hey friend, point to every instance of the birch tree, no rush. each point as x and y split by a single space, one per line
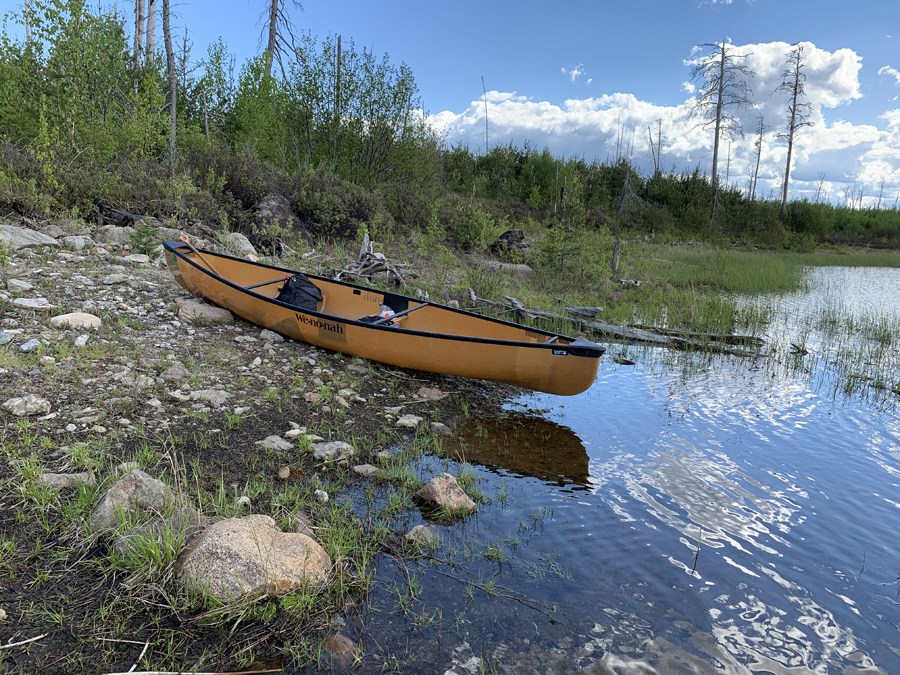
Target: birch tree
724 89
138 34
151 30
793 81
172 74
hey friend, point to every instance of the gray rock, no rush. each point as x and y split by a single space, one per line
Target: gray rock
238 242
27 405
175 374
33 304
430 394
275 443
250 555
421 535
5 338
79 243
30 346
440 429
516 271
333 451
18 238
443 492
341 648
67 480
18 285
366 470
270 336
76 320
81 340
111 279
118 236
196 312
214 397
408 422
277 209
136 491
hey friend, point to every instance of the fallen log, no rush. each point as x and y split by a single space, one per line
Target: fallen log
626 334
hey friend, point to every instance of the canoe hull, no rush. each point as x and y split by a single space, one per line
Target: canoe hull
565 367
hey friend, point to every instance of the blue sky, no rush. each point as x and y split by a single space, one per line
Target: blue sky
575 75
571 74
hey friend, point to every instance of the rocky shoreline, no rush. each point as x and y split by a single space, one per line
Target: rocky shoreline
146 425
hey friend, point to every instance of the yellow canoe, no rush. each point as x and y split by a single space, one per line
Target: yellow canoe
420 335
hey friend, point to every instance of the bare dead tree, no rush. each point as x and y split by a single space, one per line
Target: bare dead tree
880 192
760 130
724 88
793 81
172 74
151 30
138 34
280 31
486 146
656 148
820 183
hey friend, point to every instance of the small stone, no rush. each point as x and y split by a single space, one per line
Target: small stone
312 397
440 429
33 304
48 361
420 535
333 451
408 422
214 397
270 336
111 279
18 285
346 393
81 340
30 346
67 480
5 338
174 374
284 473
71 427
444 492
27 405
2 614
383 456
341 402
256 362
154 403
275 443
243 500
76 320
321 495
430 394
366 470
358 369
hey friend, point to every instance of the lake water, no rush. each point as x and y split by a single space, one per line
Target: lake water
685 515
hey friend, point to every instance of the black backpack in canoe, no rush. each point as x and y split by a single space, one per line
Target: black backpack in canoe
300 292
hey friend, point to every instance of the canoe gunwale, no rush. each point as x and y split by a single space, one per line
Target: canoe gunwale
579 347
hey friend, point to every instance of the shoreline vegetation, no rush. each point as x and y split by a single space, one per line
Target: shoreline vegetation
82 137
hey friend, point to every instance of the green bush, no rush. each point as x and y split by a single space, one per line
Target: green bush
334 208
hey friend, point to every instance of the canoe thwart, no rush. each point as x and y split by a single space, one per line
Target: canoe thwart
385 319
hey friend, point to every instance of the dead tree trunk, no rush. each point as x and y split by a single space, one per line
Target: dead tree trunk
173 81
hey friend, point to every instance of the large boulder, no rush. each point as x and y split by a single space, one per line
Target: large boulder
250 555
276 210
238 242
21 237
136 492
117 236
511 240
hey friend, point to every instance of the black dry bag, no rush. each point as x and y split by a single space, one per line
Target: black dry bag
300 292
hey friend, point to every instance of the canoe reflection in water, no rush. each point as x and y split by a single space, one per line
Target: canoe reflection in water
523 445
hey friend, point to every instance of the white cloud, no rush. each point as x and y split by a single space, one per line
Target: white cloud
599 127
893 72
575 73
689 87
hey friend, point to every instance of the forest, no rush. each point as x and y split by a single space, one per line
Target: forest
93 110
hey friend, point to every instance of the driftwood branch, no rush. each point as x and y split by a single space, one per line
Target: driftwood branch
23 642
720 344
369 263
